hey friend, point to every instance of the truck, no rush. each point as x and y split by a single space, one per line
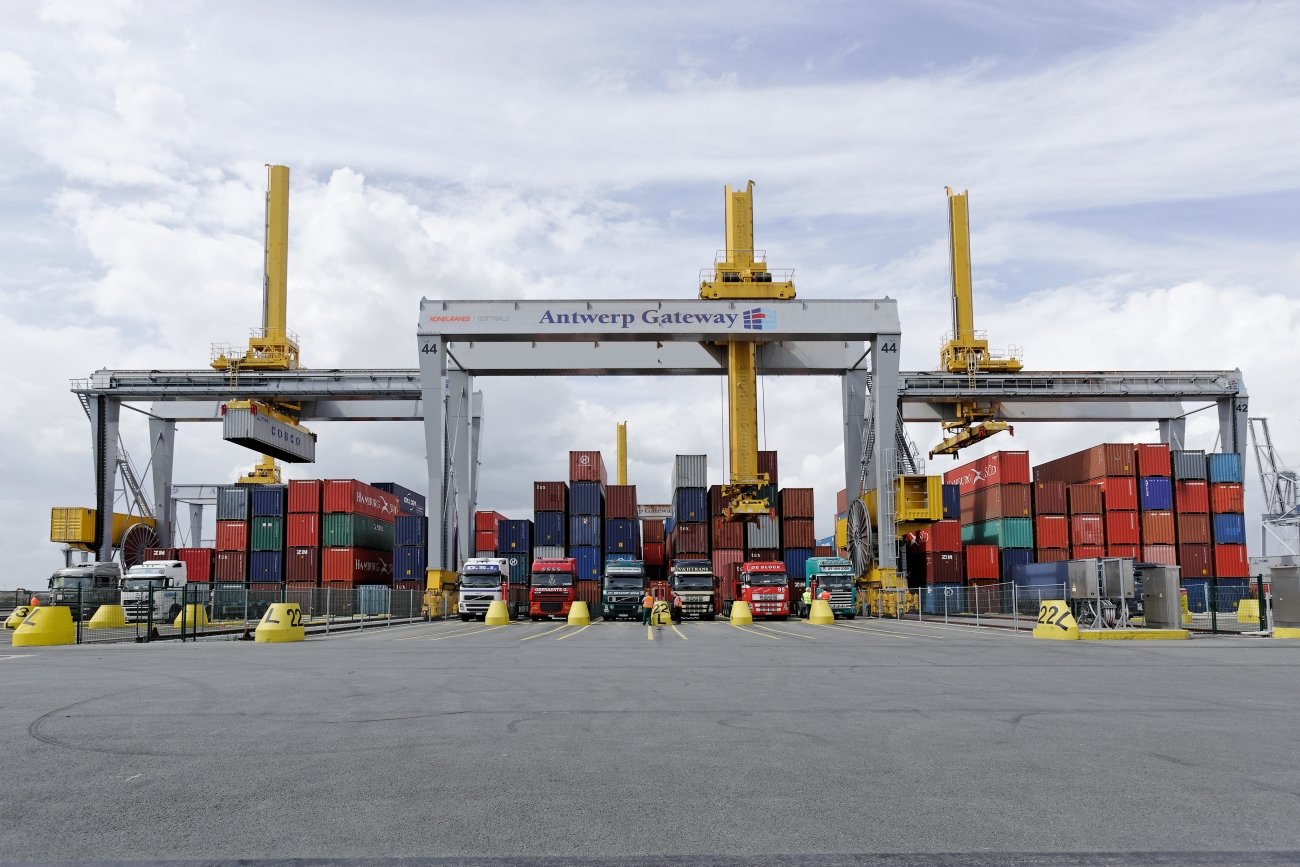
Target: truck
765 586
90 584
694 582
154 591
836 575
551 589
623 587
483 580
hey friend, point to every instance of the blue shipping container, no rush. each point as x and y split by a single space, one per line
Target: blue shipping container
952 502
514 536
409 562
412 503
692 504
621 555
943 598
796 561
1013 557
411 530
590 561
584 530
1223 467
268 501
622 534
519 566
1229 529
586 498
1041 575
1227 591
1155 493
266 567
550 528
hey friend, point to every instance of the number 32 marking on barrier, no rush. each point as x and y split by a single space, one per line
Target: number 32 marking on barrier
1052 615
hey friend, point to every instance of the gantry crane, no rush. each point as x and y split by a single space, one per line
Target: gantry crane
966 350
1281 487
269 426
740 272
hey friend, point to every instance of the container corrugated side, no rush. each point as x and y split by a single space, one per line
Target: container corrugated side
1083 499
763 533
410 563
939 536
1227 497
690 471
408 501
586 498
515 536
266 566
1049 498
996 501
584 530
620 501
269 501
1122 527
951 502
410 530
1087 552
1011 558
548 552
621 535
1117 492
1196 560
160 554
591 561
1129 552
728 534
587 466
351 530
796 502
302 564
767 465
981 561
1158 527
797 533
229 566
198 563
486 522
302 530
519 565
1003 532
356 565
233 503
653 553
232 536
726 566
1155 492
1223 467
266 534
1193 529
937 567
1152 459
550 496
796 562
716 504
691 504
1228 528
1192 496
348 496
1188 464
652 531
1052 531
1086 530
689 537
1162 555
305 495
550 528
998 468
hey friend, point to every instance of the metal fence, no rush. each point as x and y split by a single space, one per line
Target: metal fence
1225 606
1001 604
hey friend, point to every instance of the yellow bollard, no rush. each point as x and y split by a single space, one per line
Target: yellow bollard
108 617
820 613
740 613
1056 623
282 622
498 613
660 615
1248 611
45 626
18 615
193 616
579 614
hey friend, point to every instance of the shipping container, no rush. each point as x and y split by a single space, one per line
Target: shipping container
939 536
985 596
266 567
1152 459
591 561
716 503
796 563
302 565
1189 464
767 466
550 497
1041 577
1010 558
233 503
232 536
160 554
1049 498
796 502
1193 529
408 501
409 530
981 561
726 563
485 540
728 534
1223 467
305 496
266 534
267 433
1086 530
763 533
1228 529
1131 552
514 536
302 530
357 565
552 528
1083 499
1085 552
585 530
269 501
1162 555
997 501
690 471
1196 561
939 567
1117 493
586 498
842 499
652 530
1192 496
653 553
689 537
797 533
1107 459
520 565
589 592
620 501
198 563
1122 527
1227 497
1158 528
761 555
587 467
549 552
348 496
943 599
951 495
621 535
1051 555
998 468
351 530
1155 493
229 566
691 504
486 522
1051 531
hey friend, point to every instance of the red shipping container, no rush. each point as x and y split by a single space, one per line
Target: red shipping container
299 587
728 534
939 536
198 563
1164 555
1087 530
1108 459
1230 561
160 554
486 522
653 553
764 554
1152 459
996 501
1227 497
797 503
652 530
1049 498
348 496
1084 499
551 497
823 550
1120 494
798 532
485 540
982 562
587 467
302 530
620 501
356 565
983 595
230 566
941 567
304 495
689 538
715 501
1051 555
767 464
1052 531
1122 528
1158 528
999 468
1196 561
232 536
1193 529
1080 552
841 501
1191 496
1129 551
726 562
302 565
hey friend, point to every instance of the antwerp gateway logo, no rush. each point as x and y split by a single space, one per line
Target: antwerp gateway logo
759 319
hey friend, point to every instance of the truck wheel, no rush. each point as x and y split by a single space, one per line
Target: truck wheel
851 615
784 617
464 618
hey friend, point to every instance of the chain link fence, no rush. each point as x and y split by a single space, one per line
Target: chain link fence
1227 605
994 604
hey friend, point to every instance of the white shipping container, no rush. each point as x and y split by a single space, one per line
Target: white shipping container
690 471
763 533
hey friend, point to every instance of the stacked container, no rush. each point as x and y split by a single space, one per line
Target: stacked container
410 551
357 533
1100 498
1192 517
233 510
1155 495
995 502
1224 473
728 546
302 533
622 527
763 537
1051 523
587 481
652 536
688 533
550 520
485 533
266 537
797 535
934 555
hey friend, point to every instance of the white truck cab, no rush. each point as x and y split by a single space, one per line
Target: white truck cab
482 580
161 582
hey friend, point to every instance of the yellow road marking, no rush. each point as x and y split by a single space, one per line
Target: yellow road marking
783 632
573 633
470 632
547 632
752 632
649 632
683 637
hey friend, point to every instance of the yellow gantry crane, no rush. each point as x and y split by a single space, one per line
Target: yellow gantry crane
272 347
966 350
740 273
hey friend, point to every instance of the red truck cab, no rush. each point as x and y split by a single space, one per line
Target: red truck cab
765 587
552 587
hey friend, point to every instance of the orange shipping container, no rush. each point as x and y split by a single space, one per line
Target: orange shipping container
1081 552
302 530
1129 551
1191 496
1158 528
1122 528
939 536
1227 497
356 566
1164 555
1107 459
1152 459
1087 530
348 496
996 501
1193 529
1230 561
1117 493
981 561
486 522
1052 531
1051 555
1085 499
304 495
232 535
485 540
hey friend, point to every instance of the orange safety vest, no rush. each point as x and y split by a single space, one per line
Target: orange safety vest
825 595
677 602
648 601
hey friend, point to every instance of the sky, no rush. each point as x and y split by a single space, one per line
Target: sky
1132 172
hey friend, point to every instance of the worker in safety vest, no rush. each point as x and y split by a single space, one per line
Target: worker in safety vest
677 608
36 600
647 606
825 595
805 602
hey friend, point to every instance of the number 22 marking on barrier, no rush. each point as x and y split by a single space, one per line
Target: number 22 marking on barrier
1050 615
295 617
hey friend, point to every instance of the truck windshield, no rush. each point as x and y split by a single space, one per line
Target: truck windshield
767 579
837 582
479 580
623 582
552 579
693 582
142 582
69 582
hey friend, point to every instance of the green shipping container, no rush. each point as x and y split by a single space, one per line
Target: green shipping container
266 534
1003 532
356 531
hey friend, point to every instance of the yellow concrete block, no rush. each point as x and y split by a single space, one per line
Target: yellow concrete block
579 614
498 613
1286 632
660 615
1056 623
282 622
18 615
45 626
740 613
820 614
191 617
1248 611
108 617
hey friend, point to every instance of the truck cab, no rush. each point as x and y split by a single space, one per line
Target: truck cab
693 581
90 584
483 580
154 591
834 574
623 587
551 589
765 586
